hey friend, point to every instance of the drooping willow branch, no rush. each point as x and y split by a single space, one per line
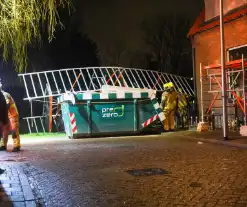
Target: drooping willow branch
20 26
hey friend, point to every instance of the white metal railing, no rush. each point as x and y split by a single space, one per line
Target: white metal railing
36 124
41 85
92 78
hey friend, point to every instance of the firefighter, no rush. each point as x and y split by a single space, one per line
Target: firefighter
13 116
182 108
164 95
169 104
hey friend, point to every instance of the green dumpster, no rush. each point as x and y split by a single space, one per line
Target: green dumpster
95 114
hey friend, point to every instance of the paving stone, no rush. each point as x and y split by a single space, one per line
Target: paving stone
30 204
19 204
13 198
24 180
241 205
27 192
10 181
243 198
12 189
4 177
4 185
17 193
210 204
15 185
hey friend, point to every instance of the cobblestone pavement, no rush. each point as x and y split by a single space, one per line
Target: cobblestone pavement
15 189
216 137
94 172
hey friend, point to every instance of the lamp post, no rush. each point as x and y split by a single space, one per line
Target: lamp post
223 74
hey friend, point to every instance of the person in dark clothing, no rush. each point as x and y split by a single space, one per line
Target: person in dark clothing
3 118
3 114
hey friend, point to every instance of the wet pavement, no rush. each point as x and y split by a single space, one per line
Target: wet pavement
146 171
216 137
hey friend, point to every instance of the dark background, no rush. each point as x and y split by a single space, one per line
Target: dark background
139 33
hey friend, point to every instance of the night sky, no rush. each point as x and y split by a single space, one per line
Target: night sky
111 23
105 33
109 32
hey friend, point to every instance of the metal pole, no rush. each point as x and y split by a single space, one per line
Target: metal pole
244 95
202 112
194 68
31 104
223 74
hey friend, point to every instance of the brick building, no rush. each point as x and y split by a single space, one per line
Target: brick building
205 38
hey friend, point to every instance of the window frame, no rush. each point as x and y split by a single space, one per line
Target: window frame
228 58
234 48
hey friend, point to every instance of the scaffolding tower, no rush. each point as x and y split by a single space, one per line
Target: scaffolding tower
236 88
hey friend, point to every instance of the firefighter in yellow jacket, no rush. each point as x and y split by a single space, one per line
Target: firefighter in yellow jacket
169 105
182 108
13 116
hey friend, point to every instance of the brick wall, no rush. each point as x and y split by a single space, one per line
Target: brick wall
207 51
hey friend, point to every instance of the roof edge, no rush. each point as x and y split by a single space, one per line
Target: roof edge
200 25
199 20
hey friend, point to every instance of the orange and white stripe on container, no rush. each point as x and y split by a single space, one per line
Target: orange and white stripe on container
73 123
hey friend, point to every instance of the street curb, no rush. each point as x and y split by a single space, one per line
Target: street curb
227 143
19 178
39 199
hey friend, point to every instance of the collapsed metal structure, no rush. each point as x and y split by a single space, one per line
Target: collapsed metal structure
45 87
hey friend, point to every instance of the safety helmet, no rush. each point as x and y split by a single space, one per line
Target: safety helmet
180 90
171 85
166 86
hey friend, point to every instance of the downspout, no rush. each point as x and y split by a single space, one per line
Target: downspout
193 65
194 74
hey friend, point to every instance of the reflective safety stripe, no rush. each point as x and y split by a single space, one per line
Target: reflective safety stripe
12 106
182 105
12 112
182 102
73 123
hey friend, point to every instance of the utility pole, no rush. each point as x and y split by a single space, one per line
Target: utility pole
223 74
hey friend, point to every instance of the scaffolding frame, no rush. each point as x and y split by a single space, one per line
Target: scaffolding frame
92 79
41 86
237 69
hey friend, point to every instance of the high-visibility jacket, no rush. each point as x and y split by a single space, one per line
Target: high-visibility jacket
182 102
169 100
12 109
163 98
